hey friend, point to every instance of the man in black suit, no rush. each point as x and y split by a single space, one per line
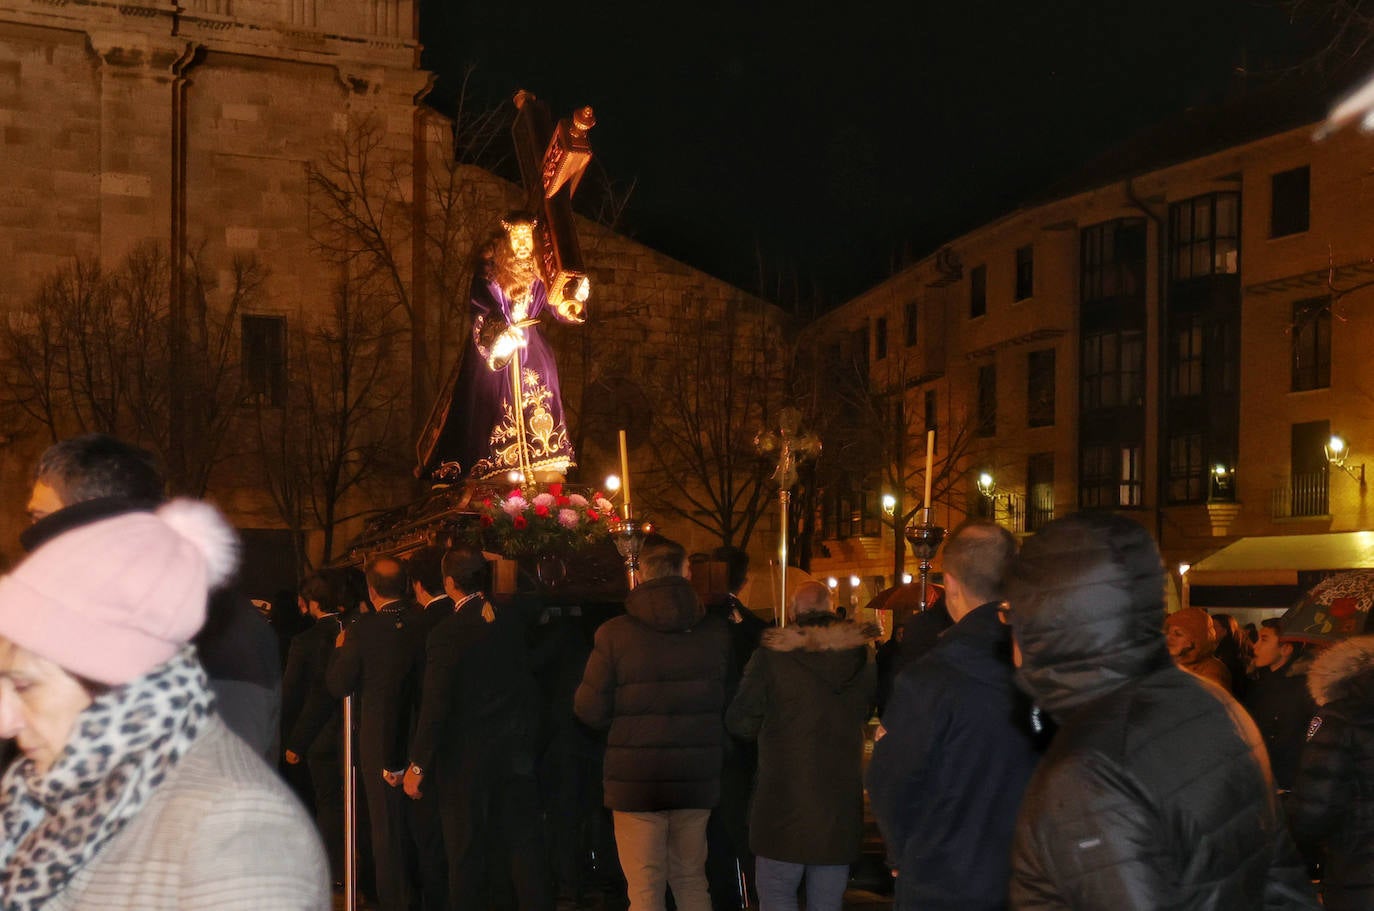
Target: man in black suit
475 740
378 659
428 863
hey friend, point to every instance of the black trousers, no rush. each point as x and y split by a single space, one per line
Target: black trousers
496 805
427 864
388 815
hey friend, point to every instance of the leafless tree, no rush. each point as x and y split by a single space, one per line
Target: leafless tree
710 400
338 430
91 354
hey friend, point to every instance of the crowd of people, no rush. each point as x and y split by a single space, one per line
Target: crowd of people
1049 736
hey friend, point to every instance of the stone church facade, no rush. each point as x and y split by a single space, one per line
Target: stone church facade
195 126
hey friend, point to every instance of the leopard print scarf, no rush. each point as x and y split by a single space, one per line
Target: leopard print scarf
122 747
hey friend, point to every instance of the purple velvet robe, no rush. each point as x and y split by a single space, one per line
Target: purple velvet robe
482 433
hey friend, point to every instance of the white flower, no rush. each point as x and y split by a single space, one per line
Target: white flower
514 506
605 505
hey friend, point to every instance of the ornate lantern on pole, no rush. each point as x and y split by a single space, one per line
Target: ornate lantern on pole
629 533
792 446
925 537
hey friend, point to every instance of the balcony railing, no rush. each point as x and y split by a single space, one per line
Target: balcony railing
1305 495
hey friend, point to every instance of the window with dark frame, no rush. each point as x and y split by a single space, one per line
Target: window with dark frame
1204 236
1112 369
1188 473
1040 388
977 292
1290 202
1186 367
1025 272
987 401
1311 334
912 313
880 338
263 361
1110 476
1112 259
859 351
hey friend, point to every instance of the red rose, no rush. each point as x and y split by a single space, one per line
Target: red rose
541 511
556 489
515 492
592 516
597 496
486 503
519 522
487 521
563 501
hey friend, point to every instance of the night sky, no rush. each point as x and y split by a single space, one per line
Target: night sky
830 137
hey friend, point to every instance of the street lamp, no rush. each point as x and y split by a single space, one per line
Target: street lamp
1337 452
987 486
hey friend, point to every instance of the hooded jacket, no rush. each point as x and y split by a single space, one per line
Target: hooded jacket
1282 708
1156 791
946 781
656 678
805 697
1332 802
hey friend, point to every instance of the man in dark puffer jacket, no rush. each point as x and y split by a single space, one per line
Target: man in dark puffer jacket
656 678
1156 792
1333 799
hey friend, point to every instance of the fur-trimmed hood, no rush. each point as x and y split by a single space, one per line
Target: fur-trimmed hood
1342 671
831 637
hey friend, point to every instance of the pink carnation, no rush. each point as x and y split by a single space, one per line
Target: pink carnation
577 501
567 518
544 499
514 506
605 505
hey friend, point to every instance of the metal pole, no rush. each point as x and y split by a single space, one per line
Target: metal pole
350 811
784 496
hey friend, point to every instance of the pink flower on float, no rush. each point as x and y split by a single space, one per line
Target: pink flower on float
544 499
577 501
567 518
514 506
605 505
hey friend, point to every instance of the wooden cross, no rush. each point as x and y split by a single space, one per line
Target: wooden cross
552 161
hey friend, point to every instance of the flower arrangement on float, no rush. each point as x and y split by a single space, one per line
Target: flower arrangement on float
523 522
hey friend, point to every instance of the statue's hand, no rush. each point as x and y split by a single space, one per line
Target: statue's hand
572 311
505 346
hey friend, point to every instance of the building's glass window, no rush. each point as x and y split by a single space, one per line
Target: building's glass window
1312 344
1187 469
977 291
911 324
264 359
1040 388
1185 367
1110 475
1113 369
1290 202
1113 259
1025 272
987 401
880 338
1204 236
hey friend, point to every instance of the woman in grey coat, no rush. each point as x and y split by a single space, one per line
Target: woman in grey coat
805 697
130 791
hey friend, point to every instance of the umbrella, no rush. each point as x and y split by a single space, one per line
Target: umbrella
1335 609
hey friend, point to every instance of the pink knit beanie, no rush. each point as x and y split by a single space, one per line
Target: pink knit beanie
112 600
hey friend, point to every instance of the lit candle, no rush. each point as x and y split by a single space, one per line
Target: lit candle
930 461
625 472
